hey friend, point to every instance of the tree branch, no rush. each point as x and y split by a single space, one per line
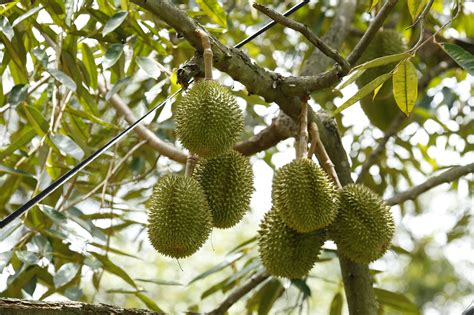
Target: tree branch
303 29
17 306
162 147
239 293
446 177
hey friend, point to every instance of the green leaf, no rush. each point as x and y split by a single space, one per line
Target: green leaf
159 282
382 61
117 86
11 170
396 301
150 66
89 62
373 4
149 302
214 10
68 147
23 17
18 94
113 268
5 259
350 79
415 7
462 57
56 216
114 22
112 55
27 257
363 92
64 79
336 304
24 137
270 292
230 259
73 294
405 86
65 274
6 28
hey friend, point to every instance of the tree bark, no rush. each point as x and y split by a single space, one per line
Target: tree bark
27 307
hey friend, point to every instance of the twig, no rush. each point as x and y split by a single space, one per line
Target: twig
239 292
190 165
162 147
303 29
301 145
317 147
371 31
207 53
398 120
445 177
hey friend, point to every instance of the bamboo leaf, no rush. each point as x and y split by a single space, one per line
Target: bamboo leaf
6 28
65 274
26 15
149 302
462 57
405 86
89 63
214 10
363 92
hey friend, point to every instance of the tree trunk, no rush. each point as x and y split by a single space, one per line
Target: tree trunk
26 307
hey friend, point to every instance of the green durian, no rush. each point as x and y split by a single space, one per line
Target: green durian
364 226
382 109
285 252
304 196
208 120
227 181
179 219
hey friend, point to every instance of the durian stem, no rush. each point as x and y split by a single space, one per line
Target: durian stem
207 54
301 144
317 148
190 165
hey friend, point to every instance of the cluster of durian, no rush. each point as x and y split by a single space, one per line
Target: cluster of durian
381 109
308 210
184 209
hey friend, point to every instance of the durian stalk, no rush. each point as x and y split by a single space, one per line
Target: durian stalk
317 148
301 145
207 54
190 165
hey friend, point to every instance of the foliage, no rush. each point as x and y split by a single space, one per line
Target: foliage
55 55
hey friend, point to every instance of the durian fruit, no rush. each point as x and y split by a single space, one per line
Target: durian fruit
227 181
304 196
208 120
364 226
179 219
382 109
285 252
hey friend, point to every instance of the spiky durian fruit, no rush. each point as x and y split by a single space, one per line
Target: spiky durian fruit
364 225
382 109
208 120
179 219
304 196
285 252
227 181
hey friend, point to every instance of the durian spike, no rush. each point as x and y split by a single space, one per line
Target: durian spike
317 148
190 165
301 144
207 54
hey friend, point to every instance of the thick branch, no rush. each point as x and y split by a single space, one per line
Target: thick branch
16 306
239 293
303 29
162 147
446 177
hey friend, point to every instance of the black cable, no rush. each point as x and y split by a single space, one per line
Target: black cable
61 180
